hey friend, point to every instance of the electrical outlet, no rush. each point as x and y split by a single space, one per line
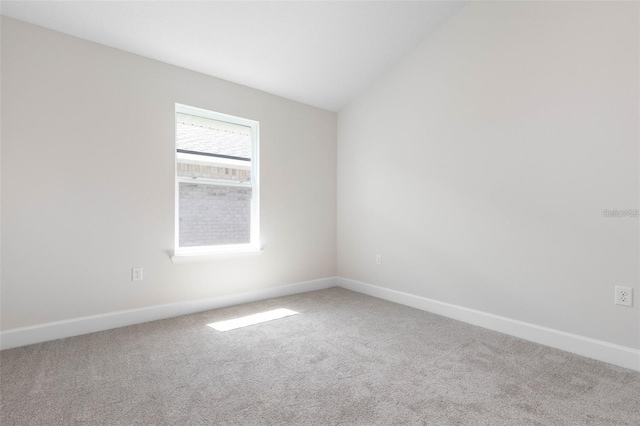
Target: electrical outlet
378 259
136 274
624 296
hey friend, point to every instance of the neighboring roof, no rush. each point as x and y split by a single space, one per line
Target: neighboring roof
213 141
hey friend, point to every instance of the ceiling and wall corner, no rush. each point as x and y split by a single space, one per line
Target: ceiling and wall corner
317 53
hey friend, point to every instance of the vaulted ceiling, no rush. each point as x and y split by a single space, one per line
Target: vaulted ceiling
322 53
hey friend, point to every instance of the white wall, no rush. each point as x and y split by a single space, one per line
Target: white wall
78 211
479 167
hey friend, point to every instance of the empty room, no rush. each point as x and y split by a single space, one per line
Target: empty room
320 213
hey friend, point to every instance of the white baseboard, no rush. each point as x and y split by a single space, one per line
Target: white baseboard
77 326
585 346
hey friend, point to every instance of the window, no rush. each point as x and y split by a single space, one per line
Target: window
217 192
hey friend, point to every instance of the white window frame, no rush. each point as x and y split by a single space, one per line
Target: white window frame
204 252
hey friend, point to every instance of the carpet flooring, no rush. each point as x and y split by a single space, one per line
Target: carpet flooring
345 359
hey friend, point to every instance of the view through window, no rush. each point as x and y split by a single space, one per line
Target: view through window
216 178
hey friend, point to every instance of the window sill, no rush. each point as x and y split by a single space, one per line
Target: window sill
204 257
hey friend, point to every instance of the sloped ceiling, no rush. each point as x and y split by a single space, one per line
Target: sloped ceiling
321 53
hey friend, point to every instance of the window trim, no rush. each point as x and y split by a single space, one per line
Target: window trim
211 252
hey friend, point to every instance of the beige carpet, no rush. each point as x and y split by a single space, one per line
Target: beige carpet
346 359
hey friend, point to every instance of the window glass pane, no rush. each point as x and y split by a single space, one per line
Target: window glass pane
214 215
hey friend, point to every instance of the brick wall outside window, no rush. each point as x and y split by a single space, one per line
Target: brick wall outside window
214 215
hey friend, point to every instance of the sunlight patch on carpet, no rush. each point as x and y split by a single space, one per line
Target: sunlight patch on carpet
232 324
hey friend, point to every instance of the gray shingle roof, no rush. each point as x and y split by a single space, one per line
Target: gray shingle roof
213 141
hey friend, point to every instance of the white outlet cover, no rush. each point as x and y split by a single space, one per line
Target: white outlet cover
624 296
136 274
